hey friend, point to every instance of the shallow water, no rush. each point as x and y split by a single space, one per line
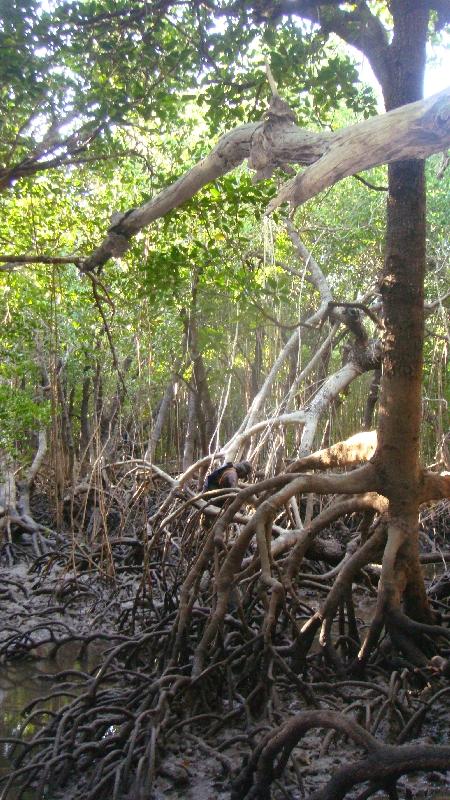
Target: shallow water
24 682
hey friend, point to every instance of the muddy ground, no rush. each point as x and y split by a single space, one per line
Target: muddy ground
62 616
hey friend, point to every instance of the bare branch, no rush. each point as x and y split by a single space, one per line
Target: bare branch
412 131
416 130
15 260
354 450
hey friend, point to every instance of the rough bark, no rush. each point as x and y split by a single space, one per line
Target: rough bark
397 459
372 400
418 130
412 131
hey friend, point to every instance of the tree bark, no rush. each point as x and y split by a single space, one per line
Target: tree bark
160 420
204 406
191 427
397 459
413 132
85 428
372 399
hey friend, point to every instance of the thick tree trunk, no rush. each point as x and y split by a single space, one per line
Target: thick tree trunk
397 457
402 291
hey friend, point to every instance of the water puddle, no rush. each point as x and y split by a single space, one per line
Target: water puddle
23 682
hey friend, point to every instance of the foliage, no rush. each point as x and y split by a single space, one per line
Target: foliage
72 75
84 82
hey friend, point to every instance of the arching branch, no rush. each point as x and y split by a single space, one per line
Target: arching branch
416 130
413 131
382 767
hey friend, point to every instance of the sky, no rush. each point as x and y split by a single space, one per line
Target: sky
437 73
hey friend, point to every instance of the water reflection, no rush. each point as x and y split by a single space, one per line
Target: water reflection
25 681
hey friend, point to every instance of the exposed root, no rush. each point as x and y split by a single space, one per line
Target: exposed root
381 768
263 517
220 614
323 619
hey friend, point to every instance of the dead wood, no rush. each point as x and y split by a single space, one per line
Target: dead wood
416 130
403 133
354 450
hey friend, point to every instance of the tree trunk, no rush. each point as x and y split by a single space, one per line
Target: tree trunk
160 420
7 484
372 400
191 426
66 422
85 429
397 456
205 409
256 367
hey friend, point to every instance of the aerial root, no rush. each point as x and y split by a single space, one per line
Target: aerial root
362 502
124 725
415 722
17 644
42 540
259 525
207 658
381 768
113 735
414 639
340 590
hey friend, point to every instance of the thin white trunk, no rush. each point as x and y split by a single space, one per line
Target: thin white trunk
159 422
331 388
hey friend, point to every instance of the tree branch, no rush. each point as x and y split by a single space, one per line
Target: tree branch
416 130
38 260
358 26
412 131
349 452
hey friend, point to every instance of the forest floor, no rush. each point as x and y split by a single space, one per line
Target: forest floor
63 615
